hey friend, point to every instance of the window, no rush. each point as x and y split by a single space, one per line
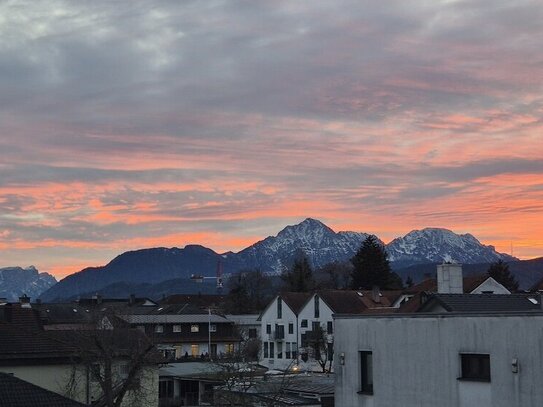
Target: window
330 350
194 351
279 308
272 350
279 350
303 340
268 328
177 328
195 328
287 351
265 350
124 370
317 310
213 328
252 333
290 328
315 326
159 329
366 372
330 327
165 389
475 367
229 348
279 331
304 323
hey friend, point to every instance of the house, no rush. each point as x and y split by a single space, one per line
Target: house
15 392
486 351
298 328
69 364
248 325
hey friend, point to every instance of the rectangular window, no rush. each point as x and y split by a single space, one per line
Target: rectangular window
304 323
195 328
272 350
330 327
304 340
290 328
287 351
159 329
317 310
475 367
315 325
330 350
123 370
194 351
177 328
279 350
268 328
265 350
279 308
252 333
279 331
212 328
366 372
229 348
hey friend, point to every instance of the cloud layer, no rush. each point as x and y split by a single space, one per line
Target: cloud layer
146 123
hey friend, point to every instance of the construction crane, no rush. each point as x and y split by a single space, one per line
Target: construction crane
218 277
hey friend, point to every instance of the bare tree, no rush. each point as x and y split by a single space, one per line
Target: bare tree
117 359
322 347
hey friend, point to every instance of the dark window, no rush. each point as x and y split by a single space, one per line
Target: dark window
475 367
304 340
330 327
366 372
165 389
317 310
252 333
268 328
279 308
315 325
280 350
265 349
290 328
272 350
279 331
287 351
304 323
330 350
294 350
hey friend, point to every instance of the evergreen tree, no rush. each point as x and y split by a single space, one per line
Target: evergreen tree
237 300
372 268
500 272
299 278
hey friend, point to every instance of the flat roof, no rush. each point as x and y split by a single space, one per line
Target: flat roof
535 313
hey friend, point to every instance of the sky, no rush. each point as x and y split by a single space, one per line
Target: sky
134 124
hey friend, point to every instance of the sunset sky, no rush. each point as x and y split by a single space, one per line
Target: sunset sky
126 125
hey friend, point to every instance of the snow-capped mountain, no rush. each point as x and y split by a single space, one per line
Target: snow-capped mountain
320 244
434 245
16 281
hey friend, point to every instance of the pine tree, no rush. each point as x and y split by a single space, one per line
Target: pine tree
500 272
372 268
299 278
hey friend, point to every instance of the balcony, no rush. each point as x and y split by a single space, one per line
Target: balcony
278 335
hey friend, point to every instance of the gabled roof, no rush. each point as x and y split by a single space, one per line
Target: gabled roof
15 392
356 301
482 302
295 301
470 283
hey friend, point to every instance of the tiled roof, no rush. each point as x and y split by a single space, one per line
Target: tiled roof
483 302
295 300
174 319
356 302
15 392
470 283
199 300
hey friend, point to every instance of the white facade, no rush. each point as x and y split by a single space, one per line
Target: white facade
292 350
423 360
279 334
490 286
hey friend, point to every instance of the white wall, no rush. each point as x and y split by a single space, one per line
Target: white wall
270 317
416 360
491 285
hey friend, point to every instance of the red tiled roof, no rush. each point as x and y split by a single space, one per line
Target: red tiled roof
295 300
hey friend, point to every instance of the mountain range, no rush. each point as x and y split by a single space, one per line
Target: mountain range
320 243
16 281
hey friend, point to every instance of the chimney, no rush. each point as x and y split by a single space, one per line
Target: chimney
132 299
97 298
376 294
449 279
24 300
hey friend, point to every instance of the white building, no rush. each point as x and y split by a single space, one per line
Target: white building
297 328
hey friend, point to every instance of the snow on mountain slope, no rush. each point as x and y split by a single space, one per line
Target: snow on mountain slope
16 281
432 245
320 243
